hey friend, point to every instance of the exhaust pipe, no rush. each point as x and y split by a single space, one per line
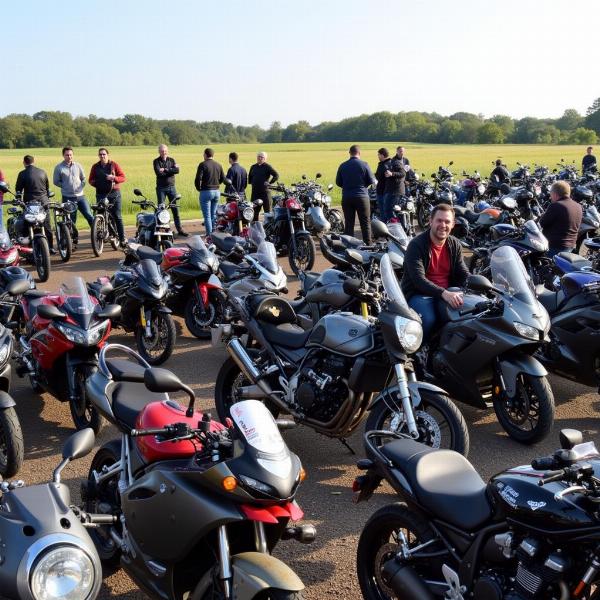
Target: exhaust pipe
246 365
405 582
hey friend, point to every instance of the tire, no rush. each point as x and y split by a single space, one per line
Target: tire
41 257
302 253
64 242
228 379
165 245
376 547
200 319
158 348
439 421
83 413
423 215
112 232
102 496
531 391
337 221
12 449
98 232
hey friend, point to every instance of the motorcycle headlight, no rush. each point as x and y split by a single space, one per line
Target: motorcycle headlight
327 200
527 331
163 217
248 213
5 351
258 486
428 191
410 205
84 338
409 332
30 218
318 196
63 573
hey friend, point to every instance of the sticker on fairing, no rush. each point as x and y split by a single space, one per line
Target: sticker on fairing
258 426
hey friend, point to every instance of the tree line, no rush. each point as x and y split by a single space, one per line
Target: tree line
52 129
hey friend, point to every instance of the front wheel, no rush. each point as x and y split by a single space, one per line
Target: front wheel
210 588
83 412
439 422
380 542
98 234
112 232
41 257
12 449
64 242
157 345
423 215
337 220
528 416
302 253
199 318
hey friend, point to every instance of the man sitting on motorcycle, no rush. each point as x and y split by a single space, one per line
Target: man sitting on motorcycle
561 221
434 263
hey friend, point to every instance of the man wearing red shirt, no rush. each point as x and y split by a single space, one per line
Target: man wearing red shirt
432 264
107 176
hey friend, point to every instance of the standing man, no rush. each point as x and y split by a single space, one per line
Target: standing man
384 165
400 156
69 177
209 177
354 176
560 223
394 178
261 174
434 263
165 169
237 175
34 185
589 160
107 176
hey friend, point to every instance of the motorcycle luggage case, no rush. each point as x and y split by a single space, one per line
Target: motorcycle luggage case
272 309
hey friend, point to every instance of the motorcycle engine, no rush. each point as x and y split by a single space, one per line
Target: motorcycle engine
322 387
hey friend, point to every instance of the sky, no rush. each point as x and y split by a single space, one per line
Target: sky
259 61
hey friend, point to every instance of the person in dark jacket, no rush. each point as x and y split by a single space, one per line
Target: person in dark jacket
400 156
261 174
434 263
33 184
589 160
237 175
394 178
165 169
561 221
209 177
354 176
384 165
500 172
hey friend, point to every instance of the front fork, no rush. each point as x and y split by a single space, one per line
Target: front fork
405 397
146 320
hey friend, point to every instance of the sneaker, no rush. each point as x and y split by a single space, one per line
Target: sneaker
183 233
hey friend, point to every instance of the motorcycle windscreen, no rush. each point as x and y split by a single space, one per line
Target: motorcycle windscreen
76 300
149 271
256 233
390 282
260 431
200 252
266 255
4 240
509 274
398 232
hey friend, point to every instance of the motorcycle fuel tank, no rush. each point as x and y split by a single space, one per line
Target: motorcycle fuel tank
329 289
343 333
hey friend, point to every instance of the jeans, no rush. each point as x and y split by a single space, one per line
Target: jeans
170 192
114 198
554 251
360 206
389 201
381 206
426 306
209 199
84 209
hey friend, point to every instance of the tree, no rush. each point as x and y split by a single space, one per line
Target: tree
570 120
490 133
582 136
275 132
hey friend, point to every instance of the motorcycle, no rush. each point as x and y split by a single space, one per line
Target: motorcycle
525 535
141 290
284 227
10 253
236 214
154 229
325 377
196 507
424 194
472 189
58 344
26 226
104 226
46 550
320 217
590 223
65 232
483 353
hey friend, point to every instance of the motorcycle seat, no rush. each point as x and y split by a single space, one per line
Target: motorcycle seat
350 241
35 294
128 399
443 481
225 242
548 299
576 260
288 335
125 370
230 269
466 213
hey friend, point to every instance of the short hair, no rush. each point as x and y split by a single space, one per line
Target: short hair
233 156
354 149
209 152
103 149
162 146
261 153
66 149
28 159
561 188
590 148
384 152
498 162
398 148
442 207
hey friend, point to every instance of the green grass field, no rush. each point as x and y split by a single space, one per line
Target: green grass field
290 160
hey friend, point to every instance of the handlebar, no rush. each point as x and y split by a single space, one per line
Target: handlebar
554 476
479 307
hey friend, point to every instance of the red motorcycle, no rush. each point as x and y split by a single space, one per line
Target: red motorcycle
236 214
60 337
11 254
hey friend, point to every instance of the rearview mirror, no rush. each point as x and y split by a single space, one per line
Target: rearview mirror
4 187
18 287
303 176
137 192
50 194
79 444
450 163
50 312
479 283
317 175
569 438
227 181
330 186
110 311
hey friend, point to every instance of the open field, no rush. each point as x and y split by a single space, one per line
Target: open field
290 160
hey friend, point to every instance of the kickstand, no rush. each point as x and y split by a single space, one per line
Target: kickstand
345 443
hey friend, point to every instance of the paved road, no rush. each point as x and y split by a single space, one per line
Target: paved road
327 566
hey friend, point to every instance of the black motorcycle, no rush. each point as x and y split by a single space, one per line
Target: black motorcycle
330 375
530 533
320 217
141 290
483 354
153 229
64 229
285 228
104 226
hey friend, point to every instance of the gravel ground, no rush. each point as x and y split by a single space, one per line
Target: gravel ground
327 567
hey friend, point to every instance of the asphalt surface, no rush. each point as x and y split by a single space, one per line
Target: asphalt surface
327 567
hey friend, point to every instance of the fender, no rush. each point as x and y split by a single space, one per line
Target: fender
513 363
213 283
254 572
414 388
6 400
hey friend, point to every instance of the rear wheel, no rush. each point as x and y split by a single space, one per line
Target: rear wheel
41 257
423 215
302 253
83 412
157 347
199 318
112 232
98 234
528 416
64 242
12 448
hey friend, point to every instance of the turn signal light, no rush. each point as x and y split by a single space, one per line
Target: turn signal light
302 474
229 483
